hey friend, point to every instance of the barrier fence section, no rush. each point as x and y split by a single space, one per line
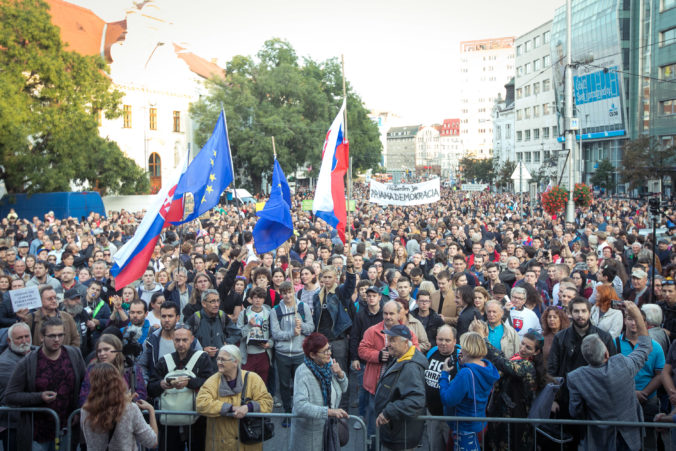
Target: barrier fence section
550 430
69 435
10 420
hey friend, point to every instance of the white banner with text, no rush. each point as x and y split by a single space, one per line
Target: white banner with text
405 194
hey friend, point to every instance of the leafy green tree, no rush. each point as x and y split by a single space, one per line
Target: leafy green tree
504 174
645 158
480 170
49 102
273 95
604 175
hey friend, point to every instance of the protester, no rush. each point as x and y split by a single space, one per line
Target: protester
49 376
553 320
49 310
430 320
500 333
400 394
110 418
598 390
603 315
319 384
467 393
226 397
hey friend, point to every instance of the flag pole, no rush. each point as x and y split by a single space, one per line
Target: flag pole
274 150
349 167
232 164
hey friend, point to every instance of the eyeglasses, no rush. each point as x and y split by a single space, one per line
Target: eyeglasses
222 360
326 351
55 336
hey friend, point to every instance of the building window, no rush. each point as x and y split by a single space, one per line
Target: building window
527 157
536 111
519 71
546 36
536 133
152 114
177 121
527 68
526 112
667 4
529 45
518 136
555 131
546 85
536 157
547 155
536 65
668 72
497 133
519 93
508 131
526 90
519 156
546 61
536 88
519 115
526 135
545 132
667 37
536 42
545 109
126 116
668 107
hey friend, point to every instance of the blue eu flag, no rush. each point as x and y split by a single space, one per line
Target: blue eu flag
274 225
209 173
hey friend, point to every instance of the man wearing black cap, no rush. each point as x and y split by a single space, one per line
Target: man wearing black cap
400 394
73 305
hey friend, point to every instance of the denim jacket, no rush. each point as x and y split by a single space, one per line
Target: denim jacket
338 305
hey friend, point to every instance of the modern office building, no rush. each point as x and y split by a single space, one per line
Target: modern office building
485 66
534 105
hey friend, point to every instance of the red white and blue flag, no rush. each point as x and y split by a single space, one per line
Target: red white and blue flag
329 202
131 260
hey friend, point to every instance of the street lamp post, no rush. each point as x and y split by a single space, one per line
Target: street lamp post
569 133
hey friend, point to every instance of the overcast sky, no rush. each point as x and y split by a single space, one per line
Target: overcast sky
400 56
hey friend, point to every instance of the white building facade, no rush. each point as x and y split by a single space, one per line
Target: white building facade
534 103
485 66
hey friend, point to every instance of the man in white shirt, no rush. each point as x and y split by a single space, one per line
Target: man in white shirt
522 318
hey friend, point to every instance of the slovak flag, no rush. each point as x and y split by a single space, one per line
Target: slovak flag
329 201
131 260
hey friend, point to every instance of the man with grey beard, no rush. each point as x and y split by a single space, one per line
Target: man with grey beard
19 339
72 304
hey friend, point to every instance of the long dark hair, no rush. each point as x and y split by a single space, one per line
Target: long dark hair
541 377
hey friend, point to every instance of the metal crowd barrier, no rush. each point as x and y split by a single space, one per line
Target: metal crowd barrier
281 434
10 418
538 433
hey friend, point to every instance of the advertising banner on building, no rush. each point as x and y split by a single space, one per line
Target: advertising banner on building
405 194
597 59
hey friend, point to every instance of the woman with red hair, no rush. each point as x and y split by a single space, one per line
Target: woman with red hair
602 315
319 384
109 419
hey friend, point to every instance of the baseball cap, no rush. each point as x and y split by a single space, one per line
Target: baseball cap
372 289
23 244
399 331
72 293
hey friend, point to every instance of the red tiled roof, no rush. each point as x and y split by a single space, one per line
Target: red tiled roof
197 64
83 31
80 28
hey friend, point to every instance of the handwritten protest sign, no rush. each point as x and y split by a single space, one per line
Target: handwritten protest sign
25 298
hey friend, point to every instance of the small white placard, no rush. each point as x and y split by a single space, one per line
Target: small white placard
25 298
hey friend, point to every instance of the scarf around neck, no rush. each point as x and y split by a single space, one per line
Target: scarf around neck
324 376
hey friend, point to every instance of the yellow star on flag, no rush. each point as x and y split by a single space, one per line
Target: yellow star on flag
215 153
204 199
209 189
212 161
212 177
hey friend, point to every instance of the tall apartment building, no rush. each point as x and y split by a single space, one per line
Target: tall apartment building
534 104
427 150
485 66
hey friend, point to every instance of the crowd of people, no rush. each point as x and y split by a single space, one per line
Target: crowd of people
471 306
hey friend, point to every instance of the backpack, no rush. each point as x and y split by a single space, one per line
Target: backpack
179 399
299 308
198 317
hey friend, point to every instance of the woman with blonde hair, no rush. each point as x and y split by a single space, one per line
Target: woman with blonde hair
109 419
400 258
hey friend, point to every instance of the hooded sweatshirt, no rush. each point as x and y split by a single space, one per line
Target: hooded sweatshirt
468 393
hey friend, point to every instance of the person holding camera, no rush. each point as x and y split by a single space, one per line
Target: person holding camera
109 350
137 327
